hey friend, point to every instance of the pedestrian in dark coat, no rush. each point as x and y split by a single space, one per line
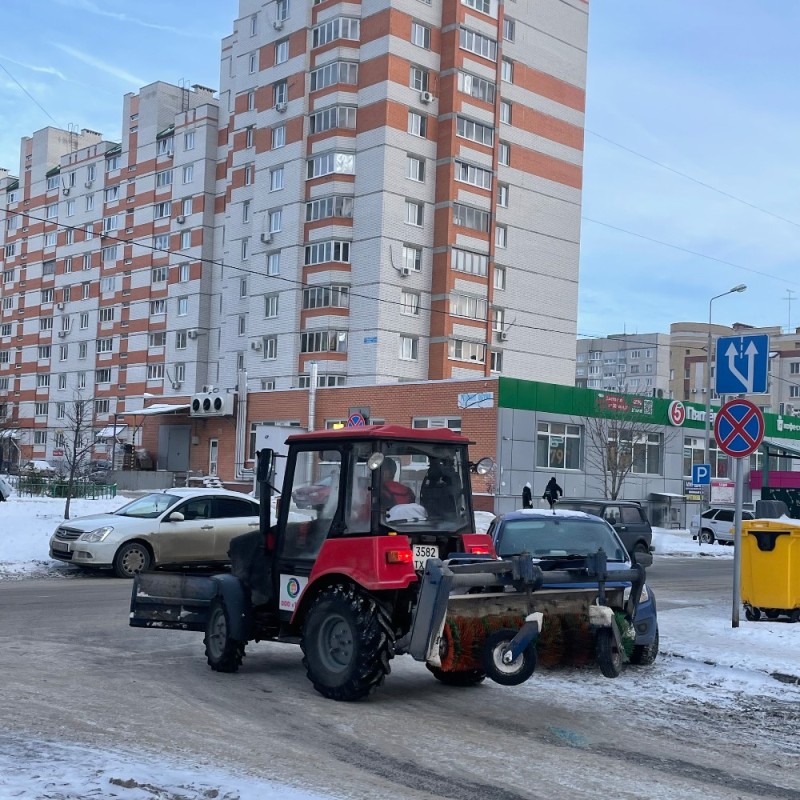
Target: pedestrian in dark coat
552 492
527 496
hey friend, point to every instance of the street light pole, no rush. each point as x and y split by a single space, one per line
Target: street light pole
707 450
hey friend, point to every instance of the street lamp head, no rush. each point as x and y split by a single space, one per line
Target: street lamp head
740 288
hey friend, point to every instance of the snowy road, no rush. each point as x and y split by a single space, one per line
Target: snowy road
77 676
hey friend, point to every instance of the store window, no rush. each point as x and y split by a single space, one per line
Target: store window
558 445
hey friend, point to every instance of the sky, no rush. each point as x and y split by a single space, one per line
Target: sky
705 89
703 661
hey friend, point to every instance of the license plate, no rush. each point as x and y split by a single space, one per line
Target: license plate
61 548
422 552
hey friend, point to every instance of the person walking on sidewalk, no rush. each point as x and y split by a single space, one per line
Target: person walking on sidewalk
552 492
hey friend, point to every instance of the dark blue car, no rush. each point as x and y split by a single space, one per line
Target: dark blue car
554 539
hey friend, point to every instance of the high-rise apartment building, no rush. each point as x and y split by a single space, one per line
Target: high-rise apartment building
390 189
399 185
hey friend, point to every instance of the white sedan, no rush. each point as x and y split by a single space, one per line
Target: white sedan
176 527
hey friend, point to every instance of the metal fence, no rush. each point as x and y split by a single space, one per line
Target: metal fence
44 487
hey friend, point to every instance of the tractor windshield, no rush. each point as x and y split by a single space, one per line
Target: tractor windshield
422 487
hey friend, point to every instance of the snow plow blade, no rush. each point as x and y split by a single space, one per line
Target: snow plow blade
171 600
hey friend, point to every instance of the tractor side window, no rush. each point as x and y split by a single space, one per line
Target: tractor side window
315 500
359 495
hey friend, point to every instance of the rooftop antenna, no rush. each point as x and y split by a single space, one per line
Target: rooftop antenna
789 297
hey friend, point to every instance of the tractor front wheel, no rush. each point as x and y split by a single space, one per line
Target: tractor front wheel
464 677
223 653
347 643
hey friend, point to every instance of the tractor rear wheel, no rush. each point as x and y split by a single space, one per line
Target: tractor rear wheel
347 643
609 654
464 677
223 653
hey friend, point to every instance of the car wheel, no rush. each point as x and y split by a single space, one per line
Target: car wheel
467 677
645 654
131 558
494 665
347 643
223 653
706 536
609 655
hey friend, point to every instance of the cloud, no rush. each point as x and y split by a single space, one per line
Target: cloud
119 16
109 69
33 68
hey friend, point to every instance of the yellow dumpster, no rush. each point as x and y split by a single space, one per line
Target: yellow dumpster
771 568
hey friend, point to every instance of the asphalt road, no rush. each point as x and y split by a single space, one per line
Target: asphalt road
73 669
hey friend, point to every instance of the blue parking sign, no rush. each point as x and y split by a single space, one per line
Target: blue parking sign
701 474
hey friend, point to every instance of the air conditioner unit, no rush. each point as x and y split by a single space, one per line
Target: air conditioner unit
278 24
503 336
60 306
88 184
405 271
266 238
280 106
256 345
176 384
211 404
192 334
62 334
426 97
65 191
180 219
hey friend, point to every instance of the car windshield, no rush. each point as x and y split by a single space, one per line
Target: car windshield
558 537
148 507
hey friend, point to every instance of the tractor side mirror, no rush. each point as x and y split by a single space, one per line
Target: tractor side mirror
483 466
266 459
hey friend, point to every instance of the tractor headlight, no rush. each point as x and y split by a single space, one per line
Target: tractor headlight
97 535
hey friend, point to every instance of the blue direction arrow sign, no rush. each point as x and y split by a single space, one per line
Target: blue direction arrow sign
739 428
742 364
701 474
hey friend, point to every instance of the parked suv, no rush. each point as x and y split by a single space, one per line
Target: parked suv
716 525
627 517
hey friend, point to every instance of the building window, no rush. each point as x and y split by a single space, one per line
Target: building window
326 297
409 304
499 277
501 236
107 314
246 211
102 376
417 124
323 342
504 154
475 176
188 140
324 252
278 136
332 118
469 217
269 348
468 306
328 163
271 305
281 51
794 368
474 131
158 339
180 340
414 213
419 79
251 100
496 361
421 35
276 179
188 173
484 6
245 248
242 324
282 9
471 263
331 74
409 348
280 92
105 345
40 438
275 221
183 306
415 168
327 207
162 210
252 63
183 273
158 307
502 195
558 445
412 258
694 453
338 28
460 350
476 43
509 29
274 263
507 71
505 111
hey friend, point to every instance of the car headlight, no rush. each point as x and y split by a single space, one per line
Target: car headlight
97 535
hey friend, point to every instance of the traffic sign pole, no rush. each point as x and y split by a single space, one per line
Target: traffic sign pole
738 497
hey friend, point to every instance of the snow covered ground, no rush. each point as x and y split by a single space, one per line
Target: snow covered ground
700 654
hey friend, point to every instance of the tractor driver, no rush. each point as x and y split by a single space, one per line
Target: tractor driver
393 493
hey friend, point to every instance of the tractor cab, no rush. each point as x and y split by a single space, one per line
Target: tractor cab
344 487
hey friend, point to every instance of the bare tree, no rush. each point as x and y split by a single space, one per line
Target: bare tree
619 441
77 439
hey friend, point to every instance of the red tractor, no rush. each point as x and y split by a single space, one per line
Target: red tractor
363 569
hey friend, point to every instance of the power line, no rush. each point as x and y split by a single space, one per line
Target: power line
2 66
697 181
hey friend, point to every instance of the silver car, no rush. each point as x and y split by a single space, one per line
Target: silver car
176 527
